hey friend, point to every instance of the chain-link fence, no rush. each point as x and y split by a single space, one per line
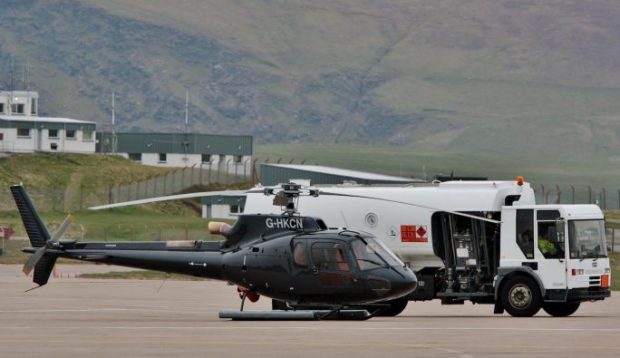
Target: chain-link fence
577 194
175 182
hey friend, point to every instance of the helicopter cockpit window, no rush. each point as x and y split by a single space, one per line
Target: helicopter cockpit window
371 254
329 256
299 254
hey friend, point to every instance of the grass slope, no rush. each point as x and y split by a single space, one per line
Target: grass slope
62 180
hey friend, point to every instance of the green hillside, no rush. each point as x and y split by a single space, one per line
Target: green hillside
564 170
533 81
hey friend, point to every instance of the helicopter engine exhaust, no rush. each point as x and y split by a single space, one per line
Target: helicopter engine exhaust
219 228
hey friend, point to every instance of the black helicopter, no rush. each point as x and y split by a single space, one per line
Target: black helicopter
288 257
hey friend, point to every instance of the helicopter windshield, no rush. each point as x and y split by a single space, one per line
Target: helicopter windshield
371 254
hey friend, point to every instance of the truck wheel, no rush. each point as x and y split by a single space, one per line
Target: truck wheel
521 296
560 309
397 306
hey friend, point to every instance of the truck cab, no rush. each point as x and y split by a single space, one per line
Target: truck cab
552 256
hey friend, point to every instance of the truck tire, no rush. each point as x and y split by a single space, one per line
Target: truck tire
521 296
560 309
397 306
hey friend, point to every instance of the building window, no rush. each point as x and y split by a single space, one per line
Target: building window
137 157
87 135
52 133
1 107
17 108
163 157
206 158
23 132
1 136
238 158
33 106
70 133
53 146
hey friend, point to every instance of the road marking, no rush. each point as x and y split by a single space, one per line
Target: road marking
325 328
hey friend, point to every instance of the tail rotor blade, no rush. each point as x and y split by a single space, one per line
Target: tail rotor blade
63 227
32 261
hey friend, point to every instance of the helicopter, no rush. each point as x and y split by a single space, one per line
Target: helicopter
288 257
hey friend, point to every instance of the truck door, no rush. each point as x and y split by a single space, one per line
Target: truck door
550 250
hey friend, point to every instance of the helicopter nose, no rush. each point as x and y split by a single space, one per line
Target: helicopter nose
393 283
405 284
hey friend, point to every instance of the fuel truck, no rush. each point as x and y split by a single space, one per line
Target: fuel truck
487 242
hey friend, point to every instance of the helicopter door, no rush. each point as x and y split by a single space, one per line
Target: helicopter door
331 263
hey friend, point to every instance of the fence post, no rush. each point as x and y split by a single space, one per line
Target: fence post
589 194
613 240
604 198
572 188
544 197
81 195
557 188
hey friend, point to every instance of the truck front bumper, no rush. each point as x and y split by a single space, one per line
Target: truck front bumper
587 294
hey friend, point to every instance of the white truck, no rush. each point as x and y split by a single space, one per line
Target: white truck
482 241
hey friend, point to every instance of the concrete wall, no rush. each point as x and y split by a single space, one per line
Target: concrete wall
39 140
217 212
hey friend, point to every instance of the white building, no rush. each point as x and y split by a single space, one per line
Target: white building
19 103
222 153
23 131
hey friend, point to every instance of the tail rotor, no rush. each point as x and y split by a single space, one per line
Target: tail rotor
34 259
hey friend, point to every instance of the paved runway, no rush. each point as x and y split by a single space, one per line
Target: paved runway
122 318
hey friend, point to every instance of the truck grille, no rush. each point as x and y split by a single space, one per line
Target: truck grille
595 281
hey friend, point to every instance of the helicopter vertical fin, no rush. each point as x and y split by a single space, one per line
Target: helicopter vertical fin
43 269
36 230
37 233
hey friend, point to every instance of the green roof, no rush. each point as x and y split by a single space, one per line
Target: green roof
190 143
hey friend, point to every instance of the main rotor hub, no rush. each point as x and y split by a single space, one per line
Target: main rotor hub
288 194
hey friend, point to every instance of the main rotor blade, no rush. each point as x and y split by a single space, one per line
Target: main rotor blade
169 197
61 230
411 204
32 260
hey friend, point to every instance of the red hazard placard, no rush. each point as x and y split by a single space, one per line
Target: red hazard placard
413 233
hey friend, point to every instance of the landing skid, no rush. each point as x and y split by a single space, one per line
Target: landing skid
301 315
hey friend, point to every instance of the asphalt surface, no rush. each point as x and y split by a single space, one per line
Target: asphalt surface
103 318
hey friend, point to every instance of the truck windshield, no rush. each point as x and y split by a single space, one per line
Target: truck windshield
370 254
587 239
